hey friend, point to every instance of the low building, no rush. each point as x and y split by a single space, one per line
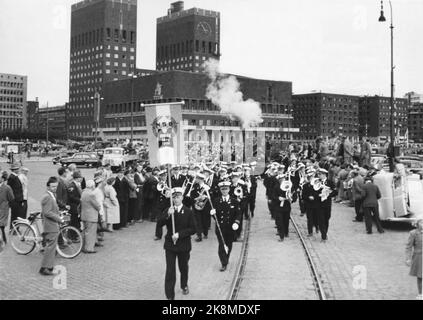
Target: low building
415 122
13 92
56 116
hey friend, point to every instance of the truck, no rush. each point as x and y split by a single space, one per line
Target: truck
119 158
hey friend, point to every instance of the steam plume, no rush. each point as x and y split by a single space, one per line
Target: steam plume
224 92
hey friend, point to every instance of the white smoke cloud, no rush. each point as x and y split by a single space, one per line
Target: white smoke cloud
224 92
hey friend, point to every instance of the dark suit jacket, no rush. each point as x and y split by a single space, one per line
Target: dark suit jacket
177 183
371 194
184 225
49 214
122 189
74 198
16 186
227 213
62 194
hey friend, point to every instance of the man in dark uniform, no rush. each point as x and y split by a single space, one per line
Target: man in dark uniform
227 213
242 199
311 203
201 207
268 182
282 207
15 184
325 205
122 193
177 178
162 202
177 242
251 183
149 192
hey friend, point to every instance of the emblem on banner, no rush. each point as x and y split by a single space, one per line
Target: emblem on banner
164 128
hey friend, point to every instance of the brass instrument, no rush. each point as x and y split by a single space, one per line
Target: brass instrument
317 184
201 200
187 182
326 191
163 189
192 185
286 186
238 192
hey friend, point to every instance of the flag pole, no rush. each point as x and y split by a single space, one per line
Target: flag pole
171 200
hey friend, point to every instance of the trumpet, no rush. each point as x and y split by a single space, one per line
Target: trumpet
192 185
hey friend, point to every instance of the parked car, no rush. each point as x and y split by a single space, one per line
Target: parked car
413 166
62 155
82 159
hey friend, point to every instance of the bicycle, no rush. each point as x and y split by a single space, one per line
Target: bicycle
25 236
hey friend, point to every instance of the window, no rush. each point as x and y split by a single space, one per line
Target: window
204 46
116 36
197 45
132 37
123 35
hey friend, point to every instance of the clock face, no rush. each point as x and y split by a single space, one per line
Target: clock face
204 28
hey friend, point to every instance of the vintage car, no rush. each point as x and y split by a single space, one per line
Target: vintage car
86 159
62 155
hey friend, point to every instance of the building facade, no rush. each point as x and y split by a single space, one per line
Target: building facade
13 93
187 38
275 98
103 48
413 97
56 116
375 117
415 122
326 115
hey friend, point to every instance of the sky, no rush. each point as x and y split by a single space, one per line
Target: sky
334 46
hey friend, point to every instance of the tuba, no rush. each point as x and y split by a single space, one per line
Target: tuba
317 184
201 200
238 192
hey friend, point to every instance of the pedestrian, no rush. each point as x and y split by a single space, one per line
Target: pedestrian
23 177
414 254
62 189
348 150
356 190
6 197
90 210
74 199
51 220
366 152
371 195
139 180
122 190
227 212
177 242
149 192
16 185
133 198
111 204
282 201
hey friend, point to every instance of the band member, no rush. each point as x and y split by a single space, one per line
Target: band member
238 190
281 197
311 203
227 213
177 179
325 206
212 181
231 168
177 242
302 180
251 184
269 181
201 207
162 201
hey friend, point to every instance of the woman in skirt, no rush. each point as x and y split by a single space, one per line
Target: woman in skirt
414 254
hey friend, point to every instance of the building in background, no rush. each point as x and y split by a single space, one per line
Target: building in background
375 118
413 97
103 48
13 91
56 116
32 120
415 122
326 115
187 38
198 113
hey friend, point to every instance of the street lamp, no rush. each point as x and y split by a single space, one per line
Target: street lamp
97 98
133 76
391 148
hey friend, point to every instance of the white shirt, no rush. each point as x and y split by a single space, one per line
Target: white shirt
225 198
179 208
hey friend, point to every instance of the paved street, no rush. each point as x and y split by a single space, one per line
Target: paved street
131 265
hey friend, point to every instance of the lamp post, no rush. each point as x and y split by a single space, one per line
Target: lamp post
97 99
391 148
133 76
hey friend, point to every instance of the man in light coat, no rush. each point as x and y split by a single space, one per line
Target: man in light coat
366 152
90 209
51 219
348 151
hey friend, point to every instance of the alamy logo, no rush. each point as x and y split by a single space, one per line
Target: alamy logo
60 280
359 277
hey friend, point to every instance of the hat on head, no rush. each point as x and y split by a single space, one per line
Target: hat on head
224 184
247 168
177 190
162 172
197 166
235 174
76 175
225 177
301 165
14 166
111 179
175 167
184 166
233 162
223 163
156 169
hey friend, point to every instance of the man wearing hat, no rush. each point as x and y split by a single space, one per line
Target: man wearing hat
269 181
201 207
325 205
122 192
161 202
23 177
237 184
227 212
177 242
177 179
149 191
311 202
74 199
232 167
251 184
15 184
282 207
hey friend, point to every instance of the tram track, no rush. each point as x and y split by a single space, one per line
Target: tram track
242 262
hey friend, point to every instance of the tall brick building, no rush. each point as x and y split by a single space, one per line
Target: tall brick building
198 112
13 91
103 48
375 119
187 38
415 122
325 114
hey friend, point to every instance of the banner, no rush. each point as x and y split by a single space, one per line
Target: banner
165 133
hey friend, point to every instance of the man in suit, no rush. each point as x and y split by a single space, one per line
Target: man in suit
122 192
90 209
139 180
177 178
16 205
150 192
365 152
51 221
356 190
74 199
227 212
371 195
62 188
162 201
177 242
325 205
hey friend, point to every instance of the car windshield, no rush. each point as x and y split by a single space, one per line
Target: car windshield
113 151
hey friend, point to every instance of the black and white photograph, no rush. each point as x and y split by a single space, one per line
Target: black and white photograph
218 153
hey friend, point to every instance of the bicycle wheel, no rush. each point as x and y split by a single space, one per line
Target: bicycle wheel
23 238
69 244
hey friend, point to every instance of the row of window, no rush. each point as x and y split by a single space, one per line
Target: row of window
97 36
9 84
186 47
85 82
12 92
97 49
10 99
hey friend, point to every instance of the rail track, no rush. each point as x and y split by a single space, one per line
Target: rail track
239 272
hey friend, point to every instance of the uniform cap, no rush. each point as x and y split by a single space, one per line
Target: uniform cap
178 190
224 184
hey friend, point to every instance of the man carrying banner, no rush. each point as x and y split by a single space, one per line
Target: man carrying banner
177 242
227 213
